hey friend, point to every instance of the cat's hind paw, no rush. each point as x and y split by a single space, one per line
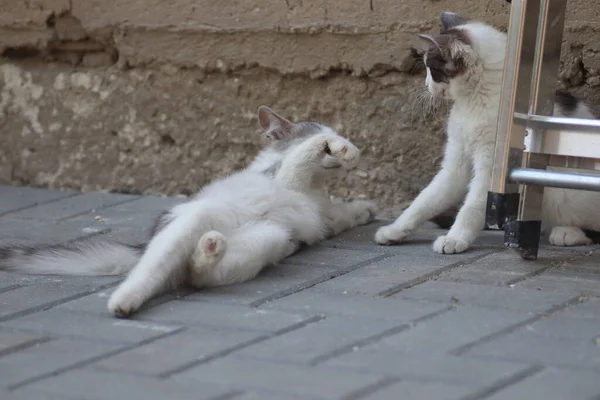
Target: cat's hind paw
568 236
123 303
449 245
390 234
366 211
210 249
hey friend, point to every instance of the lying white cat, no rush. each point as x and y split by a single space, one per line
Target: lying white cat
231 229
465 63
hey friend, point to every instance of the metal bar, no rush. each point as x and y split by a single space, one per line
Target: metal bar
516 84
566 180
558 123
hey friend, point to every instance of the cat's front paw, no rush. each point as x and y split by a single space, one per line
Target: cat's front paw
366 211
449 245
568 236
390 234
344 151
124 302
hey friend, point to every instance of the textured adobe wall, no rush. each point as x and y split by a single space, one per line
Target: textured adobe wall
159 96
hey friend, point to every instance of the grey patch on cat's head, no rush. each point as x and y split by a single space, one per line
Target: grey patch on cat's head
281 134
451 20
444 56
567 102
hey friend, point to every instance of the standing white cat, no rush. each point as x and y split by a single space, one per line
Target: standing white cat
231 229
465 64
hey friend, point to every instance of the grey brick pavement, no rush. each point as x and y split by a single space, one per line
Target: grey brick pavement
343 320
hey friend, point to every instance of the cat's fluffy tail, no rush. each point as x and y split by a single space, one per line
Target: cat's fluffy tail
83 257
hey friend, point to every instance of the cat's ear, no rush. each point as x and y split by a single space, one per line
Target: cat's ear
454 44
274 126
440 41
450 20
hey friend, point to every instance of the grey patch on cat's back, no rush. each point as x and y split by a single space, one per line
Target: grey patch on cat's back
567 102
272 170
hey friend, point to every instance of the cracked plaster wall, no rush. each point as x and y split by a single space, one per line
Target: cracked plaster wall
159 96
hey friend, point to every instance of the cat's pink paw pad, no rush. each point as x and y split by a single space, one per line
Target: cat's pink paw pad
448 245
212 244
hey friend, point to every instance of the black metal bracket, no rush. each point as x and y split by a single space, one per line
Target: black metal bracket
501 208
524 237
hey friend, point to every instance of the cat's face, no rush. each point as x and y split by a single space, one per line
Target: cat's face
282 135
461 48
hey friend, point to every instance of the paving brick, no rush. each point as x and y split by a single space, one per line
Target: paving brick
96 303
562 283
528 346
553 384
561 327
97 385
225 316
277 281
512 298
332 258
266 395
102 328
319 302
407 390
11 340
451 330
132 219
180 349
428 367
504 268
11 281
17 230
48 291
346 319
17 198
391 272
319 340
72 206
588 309
6 395
49 357
286 378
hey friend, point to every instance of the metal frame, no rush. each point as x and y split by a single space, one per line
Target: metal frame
528 137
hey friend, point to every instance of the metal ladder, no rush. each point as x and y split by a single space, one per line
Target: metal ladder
528 138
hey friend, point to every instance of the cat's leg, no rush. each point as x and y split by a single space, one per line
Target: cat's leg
344 216
249 249
163 263
568 236
470 219
297 169
445 190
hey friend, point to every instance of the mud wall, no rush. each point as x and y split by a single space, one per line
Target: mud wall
154 96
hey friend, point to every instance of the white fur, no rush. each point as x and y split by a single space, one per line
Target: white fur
467 164
238 225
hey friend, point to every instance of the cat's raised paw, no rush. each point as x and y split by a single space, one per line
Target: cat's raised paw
390 234
568 236
346 153
448 245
